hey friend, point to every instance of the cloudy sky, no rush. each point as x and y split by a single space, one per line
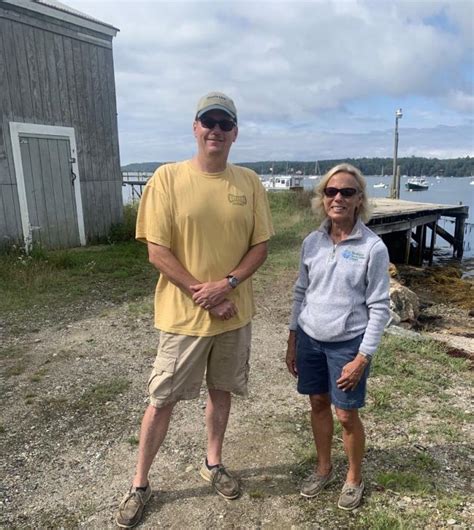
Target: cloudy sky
312 80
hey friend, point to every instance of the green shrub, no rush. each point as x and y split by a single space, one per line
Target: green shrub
124 231
290 201
63 260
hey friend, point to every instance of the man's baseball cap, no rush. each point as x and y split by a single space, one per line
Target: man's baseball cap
216 101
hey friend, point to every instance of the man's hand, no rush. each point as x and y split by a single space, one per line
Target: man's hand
351 373
291 354
224 310
210 294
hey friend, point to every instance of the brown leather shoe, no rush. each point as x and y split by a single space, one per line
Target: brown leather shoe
351 496
222 481
131 508
314 483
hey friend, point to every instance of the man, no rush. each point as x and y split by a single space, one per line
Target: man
206 224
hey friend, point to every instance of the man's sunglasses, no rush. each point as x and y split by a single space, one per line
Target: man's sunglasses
345 192
210 123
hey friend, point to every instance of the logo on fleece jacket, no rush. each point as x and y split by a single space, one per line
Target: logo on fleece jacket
353 255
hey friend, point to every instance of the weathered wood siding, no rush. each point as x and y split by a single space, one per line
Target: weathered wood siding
60 74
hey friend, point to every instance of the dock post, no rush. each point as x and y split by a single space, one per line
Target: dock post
423 238
432 243
419 236
458 246
393 190
407 246
397 184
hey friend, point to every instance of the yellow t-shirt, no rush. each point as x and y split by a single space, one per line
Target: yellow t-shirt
208 221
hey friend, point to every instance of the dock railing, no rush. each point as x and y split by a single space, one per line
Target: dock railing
136 180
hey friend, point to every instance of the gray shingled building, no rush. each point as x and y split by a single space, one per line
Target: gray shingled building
60 180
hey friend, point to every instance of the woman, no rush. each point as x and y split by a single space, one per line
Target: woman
340 308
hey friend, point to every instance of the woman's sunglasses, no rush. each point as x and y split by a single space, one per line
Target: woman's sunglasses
345 192
210 123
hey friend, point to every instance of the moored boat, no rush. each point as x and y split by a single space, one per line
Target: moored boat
417 184
283 182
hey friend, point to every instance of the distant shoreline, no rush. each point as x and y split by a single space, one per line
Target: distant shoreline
413 166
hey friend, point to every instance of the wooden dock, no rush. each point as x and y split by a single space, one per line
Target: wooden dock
136 180
403 225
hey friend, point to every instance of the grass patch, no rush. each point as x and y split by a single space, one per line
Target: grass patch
425 462
16 369
103 392
293 221
133 440
380 400
383 519
9 352
43 284
93 398
406 372
38 375
443 431
306 456
256 494
141 308
405 482
450 504
415 366
451 413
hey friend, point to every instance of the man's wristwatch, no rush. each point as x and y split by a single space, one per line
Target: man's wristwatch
366 356
233 281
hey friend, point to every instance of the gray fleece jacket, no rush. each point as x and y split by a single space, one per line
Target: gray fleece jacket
343 290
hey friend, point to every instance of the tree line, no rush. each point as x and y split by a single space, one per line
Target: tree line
411 166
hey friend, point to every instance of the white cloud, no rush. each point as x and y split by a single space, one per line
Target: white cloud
460 100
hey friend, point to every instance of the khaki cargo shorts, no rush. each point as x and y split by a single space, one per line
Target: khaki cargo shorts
182 360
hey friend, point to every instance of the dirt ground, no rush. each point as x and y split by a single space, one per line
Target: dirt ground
73 397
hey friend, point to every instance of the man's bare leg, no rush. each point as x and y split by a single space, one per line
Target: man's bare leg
153 431
217 416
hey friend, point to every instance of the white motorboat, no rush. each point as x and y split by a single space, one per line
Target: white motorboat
283 182
417 184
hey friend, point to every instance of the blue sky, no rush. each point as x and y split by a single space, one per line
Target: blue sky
311 80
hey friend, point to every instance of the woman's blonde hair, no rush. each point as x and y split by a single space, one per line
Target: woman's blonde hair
363 212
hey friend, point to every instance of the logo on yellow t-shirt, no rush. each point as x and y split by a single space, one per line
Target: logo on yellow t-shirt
238 200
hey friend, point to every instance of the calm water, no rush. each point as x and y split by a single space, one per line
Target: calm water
444 190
